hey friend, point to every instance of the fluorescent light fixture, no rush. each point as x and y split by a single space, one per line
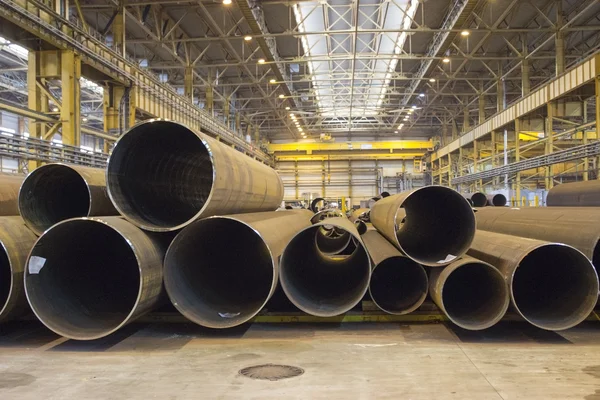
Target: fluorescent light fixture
227 2
292 115
54 109
287 108
421 94
247 38
446 60
282 96
431 79
273 81
414 107
261 60
400 126
465 33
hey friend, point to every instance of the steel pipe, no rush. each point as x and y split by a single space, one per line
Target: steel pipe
553 286
162 176
398 284
433 225
320 284
87 277
472 293
361 226
9 193
361 213
56 192
477 199
15 240
221 271
575 194
576 226
496 200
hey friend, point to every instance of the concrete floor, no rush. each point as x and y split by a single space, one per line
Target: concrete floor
347 361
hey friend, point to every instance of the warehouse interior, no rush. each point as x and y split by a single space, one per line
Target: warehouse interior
236 199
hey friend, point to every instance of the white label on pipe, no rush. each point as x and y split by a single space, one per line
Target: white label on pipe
448 258
36 264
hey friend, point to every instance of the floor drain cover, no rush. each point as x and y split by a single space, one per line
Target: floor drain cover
271 372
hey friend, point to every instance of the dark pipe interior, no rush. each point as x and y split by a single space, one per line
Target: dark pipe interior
439 225
475 296
361 227
89 282
398 284
51 194
319 284
555 287
160 174
479 199
219 272
5 277
499 200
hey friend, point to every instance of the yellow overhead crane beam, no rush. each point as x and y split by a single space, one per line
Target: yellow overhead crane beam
299 151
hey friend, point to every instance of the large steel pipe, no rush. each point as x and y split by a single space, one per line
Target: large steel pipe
16 241
56 192
398 284
162 175
220 271
575 194
496 200
478 199
361 214
9 194
472 293
553 286
320 284
576 226
433 225
87 277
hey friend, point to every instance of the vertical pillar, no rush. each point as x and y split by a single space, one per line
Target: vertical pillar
454 130
118 29
525 83
500 95
559 40
188 82
350 180
461 155
256 135
517 186
549 148
323 178
481 101
476 163
70 112
449 170
597 116
494 154
227 109
209 105
444 134
296 176
466 122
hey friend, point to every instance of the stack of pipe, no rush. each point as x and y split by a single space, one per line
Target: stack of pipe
575 194
477 199
9 194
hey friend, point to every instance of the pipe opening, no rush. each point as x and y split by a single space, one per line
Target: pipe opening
596 256
6 278
53 193
475 296
83 279
331 240
160 175
498 200
398 285
361 227
219 272
555 287
479 199
438 225
319 284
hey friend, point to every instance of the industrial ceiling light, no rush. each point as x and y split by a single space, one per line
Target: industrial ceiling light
400 126
261 60
287 108
405 118
414 107
281 96
395 131
227 2
410 112
273 81
84 119
292 115
421 94
54 109
431 80
247 38
465 33
446 60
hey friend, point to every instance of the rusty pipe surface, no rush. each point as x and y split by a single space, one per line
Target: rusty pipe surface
433 225
576 226
221 271
552 285
161 176
398 284
575 194
56 192
16 240
472 293
478 199
9 193
321 284
496 200
87 277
